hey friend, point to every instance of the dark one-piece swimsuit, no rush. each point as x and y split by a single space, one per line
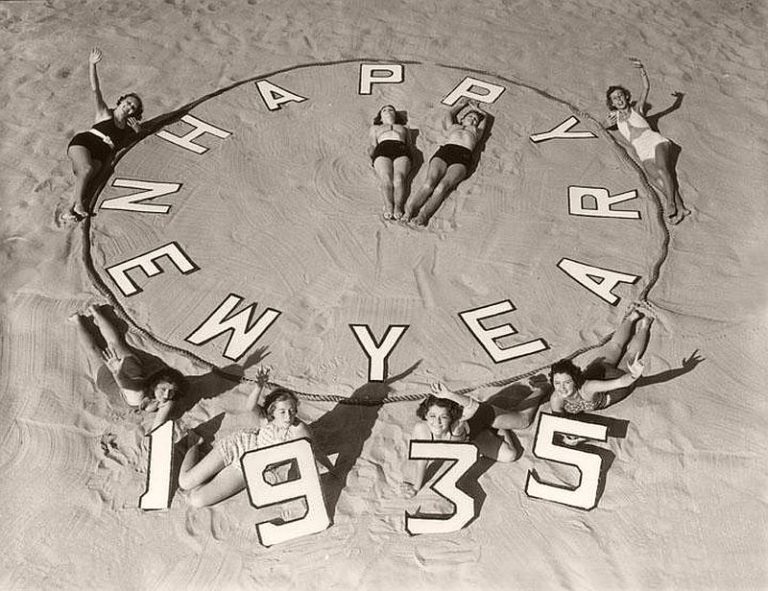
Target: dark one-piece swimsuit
103 139
392 149
454 154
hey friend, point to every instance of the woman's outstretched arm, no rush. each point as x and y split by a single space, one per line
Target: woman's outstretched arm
255 398
102 111
642 101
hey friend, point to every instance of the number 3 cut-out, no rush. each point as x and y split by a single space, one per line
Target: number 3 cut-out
264 494
584 495
463 455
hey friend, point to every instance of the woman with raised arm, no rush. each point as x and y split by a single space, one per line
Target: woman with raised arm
652 148
452 161
156 392
605 381
90 150
391 158
218 475
450 416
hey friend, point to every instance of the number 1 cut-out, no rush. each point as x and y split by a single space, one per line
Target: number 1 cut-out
158 493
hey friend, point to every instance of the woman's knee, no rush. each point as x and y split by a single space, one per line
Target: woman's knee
85 169
508 454
185 482
197 499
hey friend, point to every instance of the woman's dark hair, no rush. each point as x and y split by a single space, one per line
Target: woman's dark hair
138 113
278 395
170 375
612 89
455 410
568 367
399 117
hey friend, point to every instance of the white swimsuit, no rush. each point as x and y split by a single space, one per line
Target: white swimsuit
639 134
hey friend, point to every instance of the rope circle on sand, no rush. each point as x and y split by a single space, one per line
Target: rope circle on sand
157 123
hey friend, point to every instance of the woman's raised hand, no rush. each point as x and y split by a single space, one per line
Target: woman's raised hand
95 56
636 63
134 124
440 391
262 376
111 358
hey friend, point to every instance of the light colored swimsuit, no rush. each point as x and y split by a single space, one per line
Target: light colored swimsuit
232 447
639 134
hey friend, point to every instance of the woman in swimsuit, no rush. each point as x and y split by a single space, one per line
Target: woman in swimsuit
451 163
391 158
449 416
92 149
218 475
652 148
602 383
155 392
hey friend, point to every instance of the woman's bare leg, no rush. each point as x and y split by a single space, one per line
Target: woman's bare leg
613 350
435 173
87 339
639 340
499 449
208 480
452 177
110 333
401 167
384 170
85 168
662 162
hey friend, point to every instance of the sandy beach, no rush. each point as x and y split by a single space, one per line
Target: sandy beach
280 210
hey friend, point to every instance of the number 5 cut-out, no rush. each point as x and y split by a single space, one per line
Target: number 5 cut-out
463 455
584 495
264 494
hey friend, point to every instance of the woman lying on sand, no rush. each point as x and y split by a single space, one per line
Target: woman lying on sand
448 416
391 158
219 475
451 163
603 383
155 392
652 148
90 150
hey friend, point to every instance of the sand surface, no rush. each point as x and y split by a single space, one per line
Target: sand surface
286 213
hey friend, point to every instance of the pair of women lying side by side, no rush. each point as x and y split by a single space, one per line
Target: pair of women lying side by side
390 153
